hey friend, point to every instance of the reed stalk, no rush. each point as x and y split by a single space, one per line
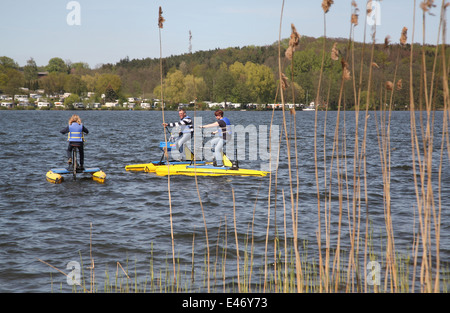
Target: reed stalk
270 174
253 240
297 255
224 254
217 253
353 256
293 43
359 158
323 272
74 281
161 21
92 267
237 242
198 193
363 156
445 136
285 247
192 259
424 191
357 162
385 156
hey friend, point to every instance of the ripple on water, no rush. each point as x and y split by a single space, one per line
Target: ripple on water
127 217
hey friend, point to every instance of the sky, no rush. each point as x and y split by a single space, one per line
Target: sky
105 31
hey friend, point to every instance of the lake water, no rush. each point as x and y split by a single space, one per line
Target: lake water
129 213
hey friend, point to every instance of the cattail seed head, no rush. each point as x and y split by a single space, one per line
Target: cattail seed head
427 5
346 75
161 19
354 19
295 37
403 36
293 43
284 82
289 53
345 71
389 85
387 41
334 52
326 4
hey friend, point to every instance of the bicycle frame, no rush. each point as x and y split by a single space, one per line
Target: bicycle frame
74 161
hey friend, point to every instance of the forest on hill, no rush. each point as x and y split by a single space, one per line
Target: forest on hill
243 75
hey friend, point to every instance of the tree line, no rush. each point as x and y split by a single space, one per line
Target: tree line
243 75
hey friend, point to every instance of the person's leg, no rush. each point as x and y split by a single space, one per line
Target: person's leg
214 142
69 154
81 149
218 150
180 145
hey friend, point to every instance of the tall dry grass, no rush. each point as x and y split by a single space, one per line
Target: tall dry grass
327 265
428 212
161 21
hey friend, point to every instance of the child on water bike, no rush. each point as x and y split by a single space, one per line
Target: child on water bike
75 138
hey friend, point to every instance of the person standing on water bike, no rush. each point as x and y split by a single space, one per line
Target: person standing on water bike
187 129
224 132
75 138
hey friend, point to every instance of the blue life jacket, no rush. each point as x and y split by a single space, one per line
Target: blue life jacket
228 129
227 121
75 132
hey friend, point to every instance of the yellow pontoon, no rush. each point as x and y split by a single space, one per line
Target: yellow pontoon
192 168
55 174
206 170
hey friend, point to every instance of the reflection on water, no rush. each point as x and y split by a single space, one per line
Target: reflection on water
129 213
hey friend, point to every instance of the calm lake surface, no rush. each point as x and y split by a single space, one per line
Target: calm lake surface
129 213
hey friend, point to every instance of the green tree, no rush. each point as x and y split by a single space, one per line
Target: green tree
70 100
89 81
240 92
74 84
53 83
31 74
3 81
102 81
294 93
260 82
7 63
110 94
174 87
80 68
195 88
15 80
224 84
57 65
